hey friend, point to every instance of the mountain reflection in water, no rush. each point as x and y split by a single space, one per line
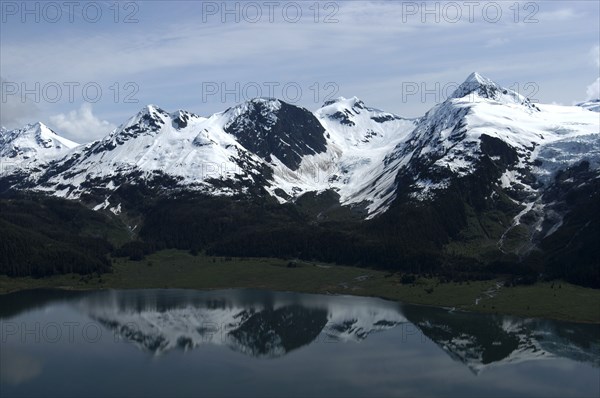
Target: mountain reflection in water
270 324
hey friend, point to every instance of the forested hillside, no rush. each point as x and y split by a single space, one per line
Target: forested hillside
43 236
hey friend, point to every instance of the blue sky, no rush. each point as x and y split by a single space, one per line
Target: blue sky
402 57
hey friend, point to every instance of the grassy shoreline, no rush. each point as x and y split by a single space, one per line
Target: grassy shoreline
178 269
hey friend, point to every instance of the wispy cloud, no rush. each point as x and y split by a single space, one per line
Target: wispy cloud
369 52
593 90
81 125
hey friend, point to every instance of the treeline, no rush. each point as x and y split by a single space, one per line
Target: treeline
408 238
41 236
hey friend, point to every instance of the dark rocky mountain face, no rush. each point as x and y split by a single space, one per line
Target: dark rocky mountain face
274 128
570 245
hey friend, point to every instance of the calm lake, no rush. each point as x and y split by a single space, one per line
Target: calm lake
159 343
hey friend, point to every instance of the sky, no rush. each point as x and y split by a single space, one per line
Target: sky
83 68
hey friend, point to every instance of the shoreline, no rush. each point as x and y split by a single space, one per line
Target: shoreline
172 269
440 306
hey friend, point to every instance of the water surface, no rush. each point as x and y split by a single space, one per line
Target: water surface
157 343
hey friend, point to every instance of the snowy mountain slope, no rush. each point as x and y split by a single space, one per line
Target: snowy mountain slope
368 157
31 147
591 105
512 145
358 140
361 166
448 140
191 151
283 149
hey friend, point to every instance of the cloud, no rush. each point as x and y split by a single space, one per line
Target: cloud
593 90
14 112
81 124
170 53
190 44
17 368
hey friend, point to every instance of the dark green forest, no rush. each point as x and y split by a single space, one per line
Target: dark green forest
42 236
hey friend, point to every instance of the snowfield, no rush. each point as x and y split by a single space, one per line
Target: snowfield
361 154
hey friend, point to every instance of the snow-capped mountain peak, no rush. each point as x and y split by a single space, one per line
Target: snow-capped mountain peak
149 110
477 87
248 115
342 108
30 147
150 118
36 135
476 77
150 121
181 147
181 118
45 136
347 102
476 83
352 112
266 106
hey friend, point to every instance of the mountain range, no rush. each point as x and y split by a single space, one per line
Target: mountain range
486 173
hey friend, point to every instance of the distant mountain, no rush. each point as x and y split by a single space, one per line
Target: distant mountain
182 149
591 105
359 152
278 148
31 147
